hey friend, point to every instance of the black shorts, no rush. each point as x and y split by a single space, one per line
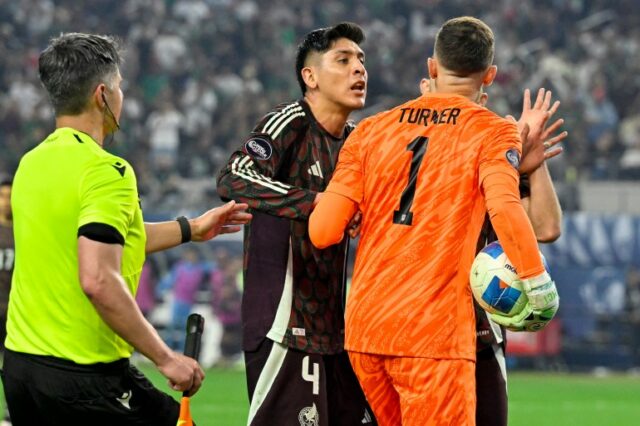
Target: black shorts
292 388
491 387
48 391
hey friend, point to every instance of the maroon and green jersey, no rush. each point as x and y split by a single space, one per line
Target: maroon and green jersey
487 331
293 292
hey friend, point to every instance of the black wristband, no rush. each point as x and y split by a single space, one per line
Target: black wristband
185 229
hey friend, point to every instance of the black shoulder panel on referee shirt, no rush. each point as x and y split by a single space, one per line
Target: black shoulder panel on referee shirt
102 233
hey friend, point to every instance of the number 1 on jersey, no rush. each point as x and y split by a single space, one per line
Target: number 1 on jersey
418 147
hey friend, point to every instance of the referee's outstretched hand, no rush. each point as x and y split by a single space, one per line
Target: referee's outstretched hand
225 219
184 373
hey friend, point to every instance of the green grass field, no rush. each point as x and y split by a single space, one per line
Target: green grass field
535 399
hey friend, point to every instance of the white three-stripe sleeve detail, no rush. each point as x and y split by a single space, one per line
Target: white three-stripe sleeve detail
286 118
278 114
284 124
245 173
243 163
272 182
282 116
254 172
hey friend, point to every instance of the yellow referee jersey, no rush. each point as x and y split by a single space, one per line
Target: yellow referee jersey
66 182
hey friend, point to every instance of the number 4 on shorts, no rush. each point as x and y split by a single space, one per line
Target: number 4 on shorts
313 377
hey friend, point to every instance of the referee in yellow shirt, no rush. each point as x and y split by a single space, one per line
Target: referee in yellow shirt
80 245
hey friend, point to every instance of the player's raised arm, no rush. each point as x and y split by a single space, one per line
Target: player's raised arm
541 201
499 182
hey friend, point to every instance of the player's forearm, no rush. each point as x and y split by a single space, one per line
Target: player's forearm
162 235
330 219
245 182
543 206
293 203
511 224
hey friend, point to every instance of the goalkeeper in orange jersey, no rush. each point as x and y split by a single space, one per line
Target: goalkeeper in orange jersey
424 175
541 203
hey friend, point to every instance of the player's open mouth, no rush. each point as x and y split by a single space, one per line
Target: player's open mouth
359 87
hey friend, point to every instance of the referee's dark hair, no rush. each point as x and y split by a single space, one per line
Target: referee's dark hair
73 65
321 40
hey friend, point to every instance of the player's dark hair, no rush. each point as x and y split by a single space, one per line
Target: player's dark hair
6 181
465 45
321 40
73 65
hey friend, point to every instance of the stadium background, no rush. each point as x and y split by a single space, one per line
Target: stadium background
199 73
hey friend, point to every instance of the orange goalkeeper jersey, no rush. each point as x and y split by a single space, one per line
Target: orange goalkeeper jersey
423 174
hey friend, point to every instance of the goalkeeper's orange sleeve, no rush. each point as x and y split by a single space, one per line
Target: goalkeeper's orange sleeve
330 219
511 223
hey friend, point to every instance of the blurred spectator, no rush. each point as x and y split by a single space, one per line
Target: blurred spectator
226 299
164 127
145 297
605 155
630 138
184 280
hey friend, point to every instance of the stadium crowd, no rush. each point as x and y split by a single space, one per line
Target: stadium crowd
199 73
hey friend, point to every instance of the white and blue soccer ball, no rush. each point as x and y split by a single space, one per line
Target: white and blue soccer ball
495 284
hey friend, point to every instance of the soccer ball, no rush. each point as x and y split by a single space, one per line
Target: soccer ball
495 284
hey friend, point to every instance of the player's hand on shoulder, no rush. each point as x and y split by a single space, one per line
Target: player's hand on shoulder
225 219
183 373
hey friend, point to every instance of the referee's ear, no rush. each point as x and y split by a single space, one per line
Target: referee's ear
98 96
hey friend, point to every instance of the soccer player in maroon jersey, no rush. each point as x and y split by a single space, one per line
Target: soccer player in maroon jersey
292 309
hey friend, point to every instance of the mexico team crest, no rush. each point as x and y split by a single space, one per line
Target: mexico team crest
309 416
